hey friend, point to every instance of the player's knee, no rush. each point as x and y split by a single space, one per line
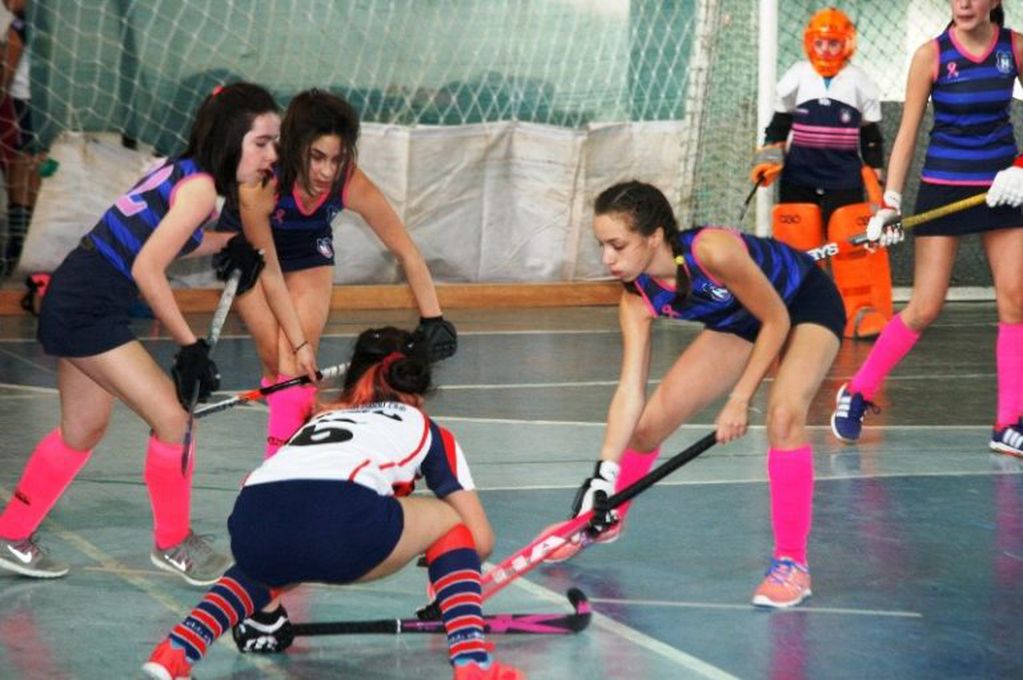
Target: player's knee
785 420
644 439
82 436
1009 300
921 315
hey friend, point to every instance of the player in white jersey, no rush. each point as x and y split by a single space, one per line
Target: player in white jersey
333 506
825 143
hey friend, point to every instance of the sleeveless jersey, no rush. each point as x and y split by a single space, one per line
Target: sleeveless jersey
127 225
288 214
827 113
972 137
711 303
385 447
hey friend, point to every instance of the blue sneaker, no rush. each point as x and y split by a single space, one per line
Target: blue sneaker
850 407
1008 440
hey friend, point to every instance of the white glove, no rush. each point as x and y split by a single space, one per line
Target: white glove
605 474
885 227
1007 189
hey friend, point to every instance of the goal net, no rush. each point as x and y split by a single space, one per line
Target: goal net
490 124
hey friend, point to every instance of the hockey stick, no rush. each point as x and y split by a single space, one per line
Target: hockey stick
252 395
749 197
523 624
933 214
580 528
216 325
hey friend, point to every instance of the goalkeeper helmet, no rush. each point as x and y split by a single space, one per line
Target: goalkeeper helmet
829 41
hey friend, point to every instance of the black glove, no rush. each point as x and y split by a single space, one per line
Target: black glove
264 632
239 254
438 335
194 369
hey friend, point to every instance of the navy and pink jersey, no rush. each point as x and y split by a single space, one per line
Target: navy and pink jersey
127 225
972 137
711 303
289 215
385 447
827 113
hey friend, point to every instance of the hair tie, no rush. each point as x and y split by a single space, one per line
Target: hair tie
389 360
217 90
680 260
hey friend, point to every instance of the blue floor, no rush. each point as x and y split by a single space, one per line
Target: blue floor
917 549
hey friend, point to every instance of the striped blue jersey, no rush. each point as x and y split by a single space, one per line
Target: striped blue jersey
972 137
827 114
127 225
289 215
711 303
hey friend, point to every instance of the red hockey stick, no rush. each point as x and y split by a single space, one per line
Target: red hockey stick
579 528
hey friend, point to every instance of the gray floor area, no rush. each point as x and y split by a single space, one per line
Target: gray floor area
917 550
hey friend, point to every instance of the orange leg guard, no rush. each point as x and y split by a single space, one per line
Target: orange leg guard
864 279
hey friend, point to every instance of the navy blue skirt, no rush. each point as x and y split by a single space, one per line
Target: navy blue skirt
312 531
87 308
970 221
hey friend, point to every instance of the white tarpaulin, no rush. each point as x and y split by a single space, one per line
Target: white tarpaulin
495 202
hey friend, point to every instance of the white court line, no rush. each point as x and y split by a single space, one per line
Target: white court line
747 607
27 361
747 480
632 635
686 426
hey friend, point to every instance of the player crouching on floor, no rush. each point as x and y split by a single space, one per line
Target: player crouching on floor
333 506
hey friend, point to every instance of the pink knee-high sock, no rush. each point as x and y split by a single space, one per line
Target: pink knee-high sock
50 469
634 465
1009 362
791 475
170 492
894 343
289 409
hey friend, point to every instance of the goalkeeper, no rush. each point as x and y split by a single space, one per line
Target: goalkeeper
831 108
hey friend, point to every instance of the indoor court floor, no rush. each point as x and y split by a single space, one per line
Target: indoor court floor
916 553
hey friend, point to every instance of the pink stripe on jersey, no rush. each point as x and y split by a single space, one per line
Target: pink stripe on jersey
826 130
959 182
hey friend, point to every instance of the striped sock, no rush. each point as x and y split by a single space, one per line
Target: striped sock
455 574
233 598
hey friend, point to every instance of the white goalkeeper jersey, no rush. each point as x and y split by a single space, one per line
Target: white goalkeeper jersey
385 447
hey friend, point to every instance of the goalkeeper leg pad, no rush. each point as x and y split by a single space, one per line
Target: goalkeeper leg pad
863 278
798 225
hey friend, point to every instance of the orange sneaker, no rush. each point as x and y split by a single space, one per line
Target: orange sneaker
786 584
167 662
495 671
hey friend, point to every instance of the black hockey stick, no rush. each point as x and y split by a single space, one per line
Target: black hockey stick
216 325
254 394
511 624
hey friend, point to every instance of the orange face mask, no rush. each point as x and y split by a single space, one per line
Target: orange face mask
829 41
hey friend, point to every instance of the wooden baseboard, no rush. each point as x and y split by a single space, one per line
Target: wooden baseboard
452 296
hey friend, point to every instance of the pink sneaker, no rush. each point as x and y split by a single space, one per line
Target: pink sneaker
495 671
167 662
786 584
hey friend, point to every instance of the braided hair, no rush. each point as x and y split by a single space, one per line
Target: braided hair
645 209
387 364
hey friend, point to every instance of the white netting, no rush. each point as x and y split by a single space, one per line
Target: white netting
554 98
